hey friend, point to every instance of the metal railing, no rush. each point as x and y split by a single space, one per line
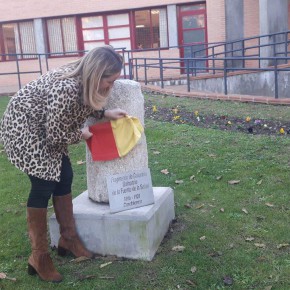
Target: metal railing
43 60
222 58
162 64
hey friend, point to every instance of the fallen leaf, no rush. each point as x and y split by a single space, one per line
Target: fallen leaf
192 177
80 259
212 155
250 239
219 177
215 254
269 204
260 182
261 259
245 210
199 206
222 210
107 277
202 168
178 248
4 276
80 162
263 246
178 181
164 171
280 246
187 205
105 265
232 182
87 277
193 269
260 218
268 287
156 152
228 281
202 238
191 283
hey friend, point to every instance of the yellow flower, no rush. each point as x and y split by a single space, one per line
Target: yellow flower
248 119
154 109
176 118
282 131
196 113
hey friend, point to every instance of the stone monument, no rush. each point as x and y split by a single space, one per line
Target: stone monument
126 95
135 233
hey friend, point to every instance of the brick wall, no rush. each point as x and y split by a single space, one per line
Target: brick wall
251 18
252 28
154 73
216 30
29 9
216 20
9 83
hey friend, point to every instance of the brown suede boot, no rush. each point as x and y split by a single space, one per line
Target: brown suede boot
69 241
40 261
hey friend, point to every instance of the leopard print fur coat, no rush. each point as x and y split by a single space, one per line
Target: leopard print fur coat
40 121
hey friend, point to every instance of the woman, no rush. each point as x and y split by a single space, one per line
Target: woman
39 123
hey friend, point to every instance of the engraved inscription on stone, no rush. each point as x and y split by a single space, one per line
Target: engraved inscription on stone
130 190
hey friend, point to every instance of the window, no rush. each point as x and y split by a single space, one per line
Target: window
151 28
107 29
62 36
111 29
93 31
192 7
18 38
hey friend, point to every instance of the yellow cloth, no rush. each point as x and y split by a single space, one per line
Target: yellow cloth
127 132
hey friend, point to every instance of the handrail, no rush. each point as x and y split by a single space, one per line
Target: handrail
230 56
42 56
162 64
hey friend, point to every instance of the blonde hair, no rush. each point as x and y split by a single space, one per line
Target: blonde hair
98 63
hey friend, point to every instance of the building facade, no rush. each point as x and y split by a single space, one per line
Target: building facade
61 28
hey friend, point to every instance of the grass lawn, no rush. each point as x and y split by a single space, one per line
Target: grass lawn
232 209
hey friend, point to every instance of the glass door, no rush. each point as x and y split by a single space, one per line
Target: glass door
192 36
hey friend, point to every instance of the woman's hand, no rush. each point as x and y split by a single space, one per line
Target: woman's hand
115 114
86 134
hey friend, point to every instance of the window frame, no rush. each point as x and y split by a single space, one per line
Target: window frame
4 57
134 43
105 28
64 53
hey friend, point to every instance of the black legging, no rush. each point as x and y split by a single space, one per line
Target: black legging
41 190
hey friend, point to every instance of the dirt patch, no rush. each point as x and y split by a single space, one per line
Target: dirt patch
226 123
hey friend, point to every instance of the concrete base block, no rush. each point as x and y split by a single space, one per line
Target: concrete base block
135 233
